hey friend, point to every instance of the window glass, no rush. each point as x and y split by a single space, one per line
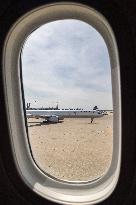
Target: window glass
66 69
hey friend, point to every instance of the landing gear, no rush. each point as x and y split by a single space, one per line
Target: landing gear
91 120
44 121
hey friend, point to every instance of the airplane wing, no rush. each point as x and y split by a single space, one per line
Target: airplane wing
49 118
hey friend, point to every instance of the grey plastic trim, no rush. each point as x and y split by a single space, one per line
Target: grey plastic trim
48 187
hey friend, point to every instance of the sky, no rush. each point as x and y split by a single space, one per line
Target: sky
66 62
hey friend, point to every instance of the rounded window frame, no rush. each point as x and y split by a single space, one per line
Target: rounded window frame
57 190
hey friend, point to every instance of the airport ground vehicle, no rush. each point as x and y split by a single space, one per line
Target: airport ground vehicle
121 15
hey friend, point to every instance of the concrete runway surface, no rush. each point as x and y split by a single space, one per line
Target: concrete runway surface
74 150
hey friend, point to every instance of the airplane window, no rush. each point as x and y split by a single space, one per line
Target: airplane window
65 64
63 100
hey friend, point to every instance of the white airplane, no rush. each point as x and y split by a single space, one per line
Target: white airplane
57 115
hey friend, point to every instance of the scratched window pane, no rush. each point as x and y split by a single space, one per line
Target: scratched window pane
68 94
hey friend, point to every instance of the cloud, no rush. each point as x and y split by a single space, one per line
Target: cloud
67 61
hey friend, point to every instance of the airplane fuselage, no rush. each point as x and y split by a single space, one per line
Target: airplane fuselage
67 113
